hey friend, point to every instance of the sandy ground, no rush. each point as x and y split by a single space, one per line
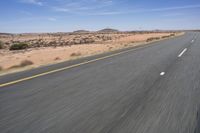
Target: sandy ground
50 55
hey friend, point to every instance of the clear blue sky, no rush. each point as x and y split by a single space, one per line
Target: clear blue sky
67 15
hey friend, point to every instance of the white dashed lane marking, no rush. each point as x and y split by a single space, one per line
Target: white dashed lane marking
182 52
162 73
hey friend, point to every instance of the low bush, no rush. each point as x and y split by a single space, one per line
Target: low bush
26 63
76 54
173 34
1 45
166 36
23 64
19 46
152 39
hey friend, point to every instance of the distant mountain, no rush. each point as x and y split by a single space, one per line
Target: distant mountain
5 34
108 30
81 31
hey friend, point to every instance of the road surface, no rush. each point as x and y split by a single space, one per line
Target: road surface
155 89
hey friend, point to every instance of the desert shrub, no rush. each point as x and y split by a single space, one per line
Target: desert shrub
82 41
172 34
152 39
76 54
88 40
1 68
26 63
167 36
19 46
23 64
1 45
106 38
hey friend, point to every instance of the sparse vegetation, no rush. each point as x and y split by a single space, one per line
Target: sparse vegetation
1 68
67 39
26 63
173 34
19 46
23 64
163 37
76 54
1 45
152 39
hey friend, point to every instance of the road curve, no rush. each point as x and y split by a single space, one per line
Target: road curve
155 89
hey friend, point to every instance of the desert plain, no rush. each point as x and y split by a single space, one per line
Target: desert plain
49 48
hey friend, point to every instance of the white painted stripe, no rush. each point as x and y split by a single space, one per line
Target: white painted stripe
182 52
162 73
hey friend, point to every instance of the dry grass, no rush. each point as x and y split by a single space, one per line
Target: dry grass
152 39
173 34
166 36
26 63
23 64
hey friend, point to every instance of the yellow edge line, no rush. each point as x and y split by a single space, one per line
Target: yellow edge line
72 66
62 69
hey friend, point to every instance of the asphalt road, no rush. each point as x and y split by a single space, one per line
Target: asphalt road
155 89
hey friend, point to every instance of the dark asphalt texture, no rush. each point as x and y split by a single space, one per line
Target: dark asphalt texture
121 94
